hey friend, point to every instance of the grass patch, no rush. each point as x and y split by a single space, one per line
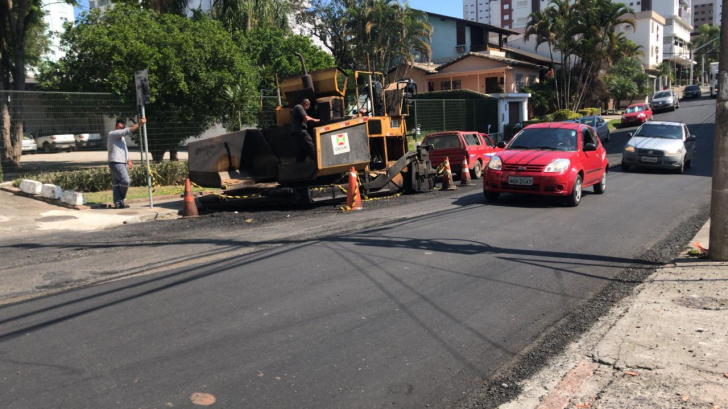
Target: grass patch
139 192
98 179
614 124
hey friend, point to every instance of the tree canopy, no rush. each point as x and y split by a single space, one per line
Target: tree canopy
584 32
190 61
272 50
388 30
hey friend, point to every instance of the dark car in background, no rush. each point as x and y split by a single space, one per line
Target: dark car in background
692 91
599 125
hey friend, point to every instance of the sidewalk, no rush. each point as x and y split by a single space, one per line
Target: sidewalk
23 216
666 346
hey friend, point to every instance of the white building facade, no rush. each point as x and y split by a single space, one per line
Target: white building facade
56 15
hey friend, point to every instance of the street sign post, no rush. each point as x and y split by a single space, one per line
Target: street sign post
141 79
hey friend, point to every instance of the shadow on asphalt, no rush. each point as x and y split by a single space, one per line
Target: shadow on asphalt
368 238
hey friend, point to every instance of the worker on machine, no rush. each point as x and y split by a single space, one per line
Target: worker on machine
300 131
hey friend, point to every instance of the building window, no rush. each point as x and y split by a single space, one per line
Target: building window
505 7
507 16
430 86
522 4
519 82
445 86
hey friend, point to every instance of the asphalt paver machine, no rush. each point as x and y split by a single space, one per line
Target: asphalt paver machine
260 164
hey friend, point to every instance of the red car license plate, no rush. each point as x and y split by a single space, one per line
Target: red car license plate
520 181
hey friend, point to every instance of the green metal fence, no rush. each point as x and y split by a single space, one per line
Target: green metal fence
435 115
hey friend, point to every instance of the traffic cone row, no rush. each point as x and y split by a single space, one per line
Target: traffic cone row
465 173
353 198
447 182
190 208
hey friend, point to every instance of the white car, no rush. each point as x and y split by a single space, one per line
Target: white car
53 142
88 140
29 145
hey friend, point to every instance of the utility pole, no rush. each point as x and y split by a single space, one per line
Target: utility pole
719 200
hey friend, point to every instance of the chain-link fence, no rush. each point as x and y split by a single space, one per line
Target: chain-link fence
68 131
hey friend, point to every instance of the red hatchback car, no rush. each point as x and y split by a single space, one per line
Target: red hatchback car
455 145
552 159
637 114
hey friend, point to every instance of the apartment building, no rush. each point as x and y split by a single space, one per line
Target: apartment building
509 14
708 12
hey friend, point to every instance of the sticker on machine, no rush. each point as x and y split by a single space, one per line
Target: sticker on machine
340 143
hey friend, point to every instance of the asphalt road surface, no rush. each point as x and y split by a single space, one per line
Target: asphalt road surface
408 314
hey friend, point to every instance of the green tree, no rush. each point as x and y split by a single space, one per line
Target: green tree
708 35
245 15
390 32
664 70
22 43
627 79
190 63
273 50
583 33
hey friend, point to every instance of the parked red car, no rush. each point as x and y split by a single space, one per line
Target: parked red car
478 147
552 159
637 114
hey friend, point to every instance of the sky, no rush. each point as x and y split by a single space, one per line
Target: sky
452 8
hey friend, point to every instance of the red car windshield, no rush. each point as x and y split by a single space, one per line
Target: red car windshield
444 141
545 138
638 108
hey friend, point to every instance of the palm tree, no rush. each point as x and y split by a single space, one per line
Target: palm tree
541 26
664 70
243 15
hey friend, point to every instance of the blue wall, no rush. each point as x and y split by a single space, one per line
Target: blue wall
444 40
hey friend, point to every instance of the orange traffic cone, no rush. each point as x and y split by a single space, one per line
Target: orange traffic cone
190 208
447 182
353 198
465 173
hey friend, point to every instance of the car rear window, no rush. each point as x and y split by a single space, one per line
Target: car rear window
444 141
660 131
472 139
691 88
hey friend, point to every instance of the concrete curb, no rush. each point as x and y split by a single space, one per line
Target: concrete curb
663 346
57 202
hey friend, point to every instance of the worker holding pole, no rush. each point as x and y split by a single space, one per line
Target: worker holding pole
719 200
119 160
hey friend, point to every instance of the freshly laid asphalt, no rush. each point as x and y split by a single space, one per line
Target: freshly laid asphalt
414 313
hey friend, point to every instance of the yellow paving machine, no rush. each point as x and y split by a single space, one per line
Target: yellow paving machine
260 164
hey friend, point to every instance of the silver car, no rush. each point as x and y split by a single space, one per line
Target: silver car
599 125
665 100
667 145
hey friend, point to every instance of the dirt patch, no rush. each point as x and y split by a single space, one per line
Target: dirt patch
703 303
55 219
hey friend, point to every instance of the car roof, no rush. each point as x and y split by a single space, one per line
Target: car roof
669 123
448 133
556 125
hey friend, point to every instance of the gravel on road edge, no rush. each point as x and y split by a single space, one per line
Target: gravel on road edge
502 387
